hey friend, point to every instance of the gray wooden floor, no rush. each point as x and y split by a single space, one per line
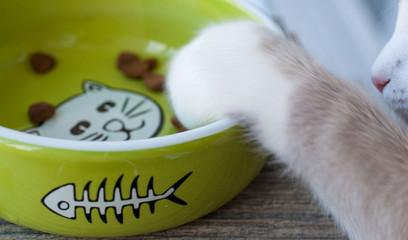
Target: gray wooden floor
272 207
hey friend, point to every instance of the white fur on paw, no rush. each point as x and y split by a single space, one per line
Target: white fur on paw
226 71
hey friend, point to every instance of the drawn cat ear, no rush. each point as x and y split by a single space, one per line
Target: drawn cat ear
33 132
91 86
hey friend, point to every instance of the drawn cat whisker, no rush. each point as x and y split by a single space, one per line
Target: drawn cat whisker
140 113
125 104
142 124
97 137
135 107
88 136
106 138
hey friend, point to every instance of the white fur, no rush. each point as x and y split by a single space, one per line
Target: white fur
392 63
234 78
329 133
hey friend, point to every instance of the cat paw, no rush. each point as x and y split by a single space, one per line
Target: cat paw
230 70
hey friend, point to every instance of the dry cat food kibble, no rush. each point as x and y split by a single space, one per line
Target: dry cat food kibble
125 58
42 62
153 81
41 111
177 124
151 63
133 67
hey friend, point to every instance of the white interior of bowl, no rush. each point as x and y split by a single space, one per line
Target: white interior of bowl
132 145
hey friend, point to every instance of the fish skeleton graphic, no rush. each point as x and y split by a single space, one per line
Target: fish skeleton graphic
63 201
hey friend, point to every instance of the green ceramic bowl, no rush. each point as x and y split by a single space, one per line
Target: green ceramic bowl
103 186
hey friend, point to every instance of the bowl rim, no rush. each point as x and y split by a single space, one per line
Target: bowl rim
138 144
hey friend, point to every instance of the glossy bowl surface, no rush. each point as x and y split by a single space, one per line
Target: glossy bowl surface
110 188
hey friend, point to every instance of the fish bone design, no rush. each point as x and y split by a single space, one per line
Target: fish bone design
63 202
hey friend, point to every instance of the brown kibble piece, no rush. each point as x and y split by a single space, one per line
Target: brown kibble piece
176 123
174 120
153 81
151 63
181 130
41 111
131 65
125 58
134 69
42 62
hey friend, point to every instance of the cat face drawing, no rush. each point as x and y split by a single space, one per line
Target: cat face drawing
102 113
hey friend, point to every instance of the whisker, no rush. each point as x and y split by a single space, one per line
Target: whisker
140 113
135 107
97 137
125 104
89 136
141 126
106 138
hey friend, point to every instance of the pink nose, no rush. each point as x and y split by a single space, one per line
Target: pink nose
380 83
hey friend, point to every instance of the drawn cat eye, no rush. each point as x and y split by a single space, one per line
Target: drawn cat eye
104 107
80 127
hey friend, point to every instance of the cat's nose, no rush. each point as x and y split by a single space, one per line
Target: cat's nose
380 82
